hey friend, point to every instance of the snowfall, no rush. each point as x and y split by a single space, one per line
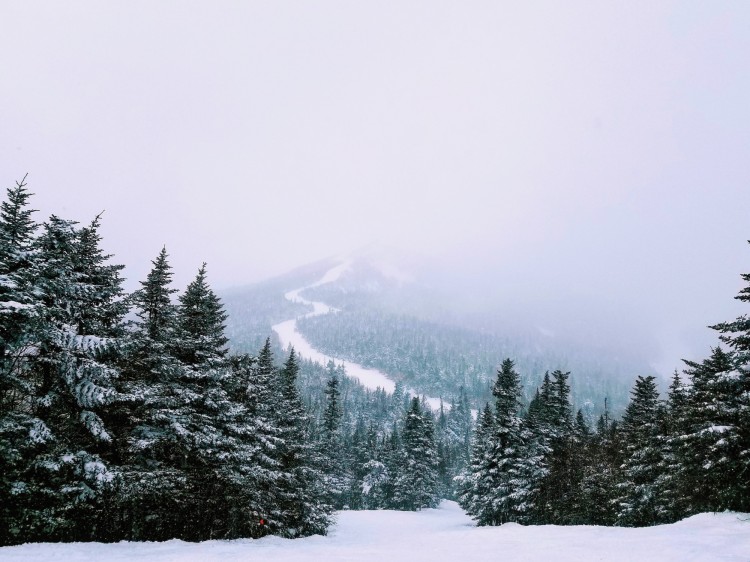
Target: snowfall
434 535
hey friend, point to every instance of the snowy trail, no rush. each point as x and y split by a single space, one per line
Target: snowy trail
289 335
435 535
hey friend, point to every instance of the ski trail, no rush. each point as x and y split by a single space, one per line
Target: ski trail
289 335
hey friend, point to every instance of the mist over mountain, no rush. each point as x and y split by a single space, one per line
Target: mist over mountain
438 330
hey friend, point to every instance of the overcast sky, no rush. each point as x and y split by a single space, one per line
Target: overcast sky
602 148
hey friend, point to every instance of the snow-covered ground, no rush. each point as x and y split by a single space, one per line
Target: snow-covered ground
435 535
289 335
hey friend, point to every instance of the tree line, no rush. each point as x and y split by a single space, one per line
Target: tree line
665 460
124 416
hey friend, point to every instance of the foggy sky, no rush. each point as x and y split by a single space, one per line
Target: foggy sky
560 151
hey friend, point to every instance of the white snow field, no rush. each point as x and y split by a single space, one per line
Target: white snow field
435 535
289 335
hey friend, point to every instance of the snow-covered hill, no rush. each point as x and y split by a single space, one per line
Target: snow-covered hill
436 535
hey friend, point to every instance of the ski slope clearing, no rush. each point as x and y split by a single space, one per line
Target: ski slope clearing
290 336
435 535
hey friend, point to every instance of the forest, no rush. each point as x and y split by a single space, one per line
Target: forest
132 417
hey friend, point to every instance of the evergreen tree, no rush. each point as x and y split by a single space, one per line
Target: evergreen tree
416 485
70 378
712 452
600 474
304 510
557 444
639 500
456 441
510 497
200 324
478 480
154 303
736 335
332 453
153 476
673 476
22 434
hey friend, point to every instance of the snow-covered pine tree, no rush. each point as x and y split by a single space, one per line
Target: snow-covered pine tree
456 441
21 432
200 325
300 492
557 440
672 494
639 498
331 451
478 480
180 447
580 445
79 315
153 478
416 485
263 446
736 335
508 499
712 452
202 408
598 488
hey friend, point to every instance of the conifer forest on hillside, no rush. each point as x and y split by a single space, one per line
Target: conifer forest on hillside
134 416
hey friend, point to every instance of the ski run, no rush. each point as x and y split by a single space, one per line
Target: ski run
289 335
434 535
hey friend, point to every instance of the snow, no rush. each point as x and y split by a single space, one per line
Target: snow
290 336
435 535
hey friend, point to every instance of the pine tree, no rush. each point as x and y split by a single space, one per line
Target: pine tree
332 454
715 470
17 297
457 440
736 335
154 482
181 418
304 511
71 381
509 499
557 441
200 324
478 480
153 301
598 487
263 403
22 434
416 485
639 499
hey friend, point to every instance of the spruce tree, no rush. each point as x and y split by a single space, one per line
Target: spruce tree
71 380
331 450
153 476
672 482
416 485
200 324
600 474
639 499
557 442
304 511
736 335
509 499
22 433
712 451
478 480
